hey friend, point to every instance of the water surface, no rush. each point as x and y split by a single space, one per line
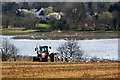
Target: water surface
102 48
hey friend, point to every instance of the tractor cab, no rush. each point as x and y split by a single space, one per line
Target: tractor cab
46 49
42 53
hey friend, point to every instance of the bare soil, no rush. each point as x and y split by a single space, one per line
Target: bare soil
25 69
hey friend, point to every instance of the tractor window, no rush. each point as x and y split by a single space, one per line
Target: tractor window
35 49
44 49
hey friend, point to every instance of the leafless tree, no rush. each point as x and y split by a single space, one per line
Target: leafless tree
8 50
70 49
5 21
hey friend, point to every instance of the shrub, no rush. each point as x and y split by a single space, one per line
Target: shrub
8 50
106 18
70 49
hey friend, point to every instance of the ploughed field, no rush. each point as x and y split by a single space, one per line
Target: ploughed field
24 69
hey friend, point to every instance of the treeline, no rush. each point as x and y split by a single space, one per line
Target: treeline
77 15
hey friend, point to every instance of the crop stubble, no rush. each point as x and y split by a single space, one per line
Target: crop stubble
23 69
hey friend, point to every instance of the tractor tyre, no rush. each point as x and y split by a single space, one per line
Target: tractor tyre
36 59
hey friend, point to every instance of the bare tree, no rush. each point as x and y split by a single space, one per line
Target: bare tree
5 21
70 49
8 50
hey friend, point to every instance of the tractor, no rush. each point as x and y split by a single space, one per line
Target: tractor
44 54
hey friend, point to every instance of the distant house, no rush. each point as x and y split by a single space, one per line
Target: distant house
40 13
51 16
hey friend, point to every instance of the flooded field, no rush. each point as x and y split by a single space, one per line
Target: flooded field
101 48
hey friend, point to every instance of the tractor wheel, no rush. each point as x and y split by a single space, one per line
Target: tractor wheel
36 59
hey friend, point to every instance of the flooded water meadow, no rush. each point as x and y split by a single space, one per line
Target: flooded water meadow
101 48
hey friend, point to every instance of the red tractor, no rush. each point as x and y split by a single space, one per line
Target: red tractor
43 53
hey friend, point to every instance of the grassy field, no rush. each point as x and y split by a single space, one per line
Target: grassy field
16 31
24 69
26 34
43 25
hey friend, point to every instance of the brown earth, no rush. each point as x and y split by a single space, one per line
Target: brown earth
24 69
78 35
